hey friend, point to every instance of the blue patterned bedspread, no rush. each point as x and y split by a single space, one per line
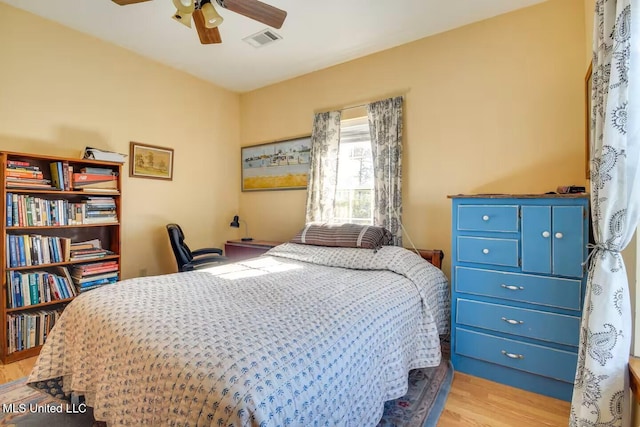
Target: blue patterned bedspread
301 336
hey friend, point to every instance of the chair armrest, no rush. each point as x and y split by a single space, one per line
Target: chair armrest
204 262
203 251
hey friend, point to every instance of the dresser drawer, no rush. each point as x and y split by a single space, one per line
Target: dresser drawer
552 327
537 359
547 291
501 218
488 251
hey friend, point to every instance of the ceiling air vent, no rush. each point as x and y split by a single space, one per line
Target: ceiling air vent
262 38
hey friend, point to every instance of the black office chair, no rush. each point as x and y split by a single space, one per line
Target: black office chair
187 259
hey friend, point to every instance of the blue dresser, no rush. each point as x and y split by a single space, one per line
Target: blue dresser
518 287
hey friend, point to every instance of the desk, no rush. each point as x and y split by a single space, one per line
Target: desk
238 250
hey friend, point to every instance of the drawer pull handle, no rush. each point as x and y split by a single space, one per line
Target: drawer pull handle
485 251
512 355
485 217
559 236
546 234
512 321
512 287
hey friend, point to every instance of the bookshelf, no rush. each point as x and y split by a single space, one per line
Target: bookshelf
61 236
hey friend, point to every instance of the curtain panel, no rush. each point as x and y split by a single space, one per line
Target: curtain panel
323 172
385 125
600 395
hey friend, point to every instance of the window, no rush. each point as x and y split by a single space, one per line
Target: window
354 190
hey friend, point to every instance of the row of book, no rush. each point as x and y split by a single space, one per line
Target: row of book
27 330
23 174
27 211
38 287
26 288
26 250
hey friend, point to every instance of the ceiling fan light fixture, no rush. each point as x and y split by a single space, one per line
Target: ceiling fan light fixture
211 17
184 6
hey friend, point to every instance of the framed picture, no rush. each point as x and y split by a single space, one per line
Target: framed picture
150 161
280 165
588 143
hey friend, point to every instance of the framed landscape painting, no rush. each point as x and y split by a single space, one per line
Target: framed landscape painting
150 161
281 165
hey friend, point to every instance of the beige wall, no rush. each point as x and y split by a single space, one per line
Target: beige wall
61 91
589 6
496 106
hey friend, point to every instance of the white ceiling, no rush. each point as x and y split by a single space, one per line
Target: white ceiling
316 34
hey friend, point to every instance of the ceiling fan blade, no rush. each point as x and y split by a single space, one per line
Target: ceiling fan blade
126 2
207 35
256 10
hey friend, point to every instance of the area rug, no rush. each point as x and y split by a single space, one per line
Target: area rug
23 406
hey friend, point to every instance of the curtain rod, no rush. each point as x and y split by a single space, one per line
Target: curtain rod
361 104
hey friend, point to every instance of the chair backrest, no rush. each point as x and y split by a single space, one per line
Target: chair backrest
180 249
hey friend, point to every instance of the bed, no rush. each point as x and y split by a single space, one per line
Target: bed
302 335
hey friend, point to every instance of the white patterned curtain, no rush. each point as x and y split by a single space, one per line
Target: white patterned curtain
600 395
385 125
323 172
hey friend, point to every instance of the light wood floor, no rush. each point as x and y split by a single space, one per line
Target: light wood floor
472 401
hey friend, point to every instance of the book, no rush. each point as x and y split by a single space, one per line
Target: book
98 154
97 171
9 210
100 190
93 283
66 178
17 163
23 168
55 177
61 174
23 174
86 177
95 277
29 185
87 244
88 185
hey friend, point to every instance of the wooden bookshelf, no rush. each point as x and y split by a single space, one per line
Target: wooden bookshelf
108 233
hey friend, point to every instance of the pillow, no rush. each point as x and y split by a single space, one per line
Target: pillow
344 236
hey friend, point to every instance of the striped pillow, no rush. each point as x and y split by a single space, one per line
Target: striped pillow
344 236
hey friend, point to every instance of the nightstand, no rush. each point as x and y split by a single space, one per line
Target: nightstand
238 249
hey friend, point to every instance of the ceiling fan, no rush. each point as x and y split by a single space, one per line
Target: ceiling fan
207 19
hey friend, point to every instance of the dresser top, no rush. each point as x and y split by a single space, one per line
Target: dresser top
519 196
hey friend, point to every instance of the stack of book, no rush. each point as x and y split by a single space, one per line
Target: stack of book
21 174
96 179
100 210
87 250
90 276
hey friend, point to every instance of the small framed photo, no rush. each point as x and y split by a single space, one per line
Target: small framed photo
150 161
280 165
